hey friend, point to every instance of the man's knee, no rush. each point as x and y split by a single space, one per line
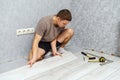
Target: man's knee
70 31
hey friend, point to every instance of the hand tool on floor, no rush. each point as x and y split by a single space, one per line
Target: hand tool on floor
101 59
107 61
90 58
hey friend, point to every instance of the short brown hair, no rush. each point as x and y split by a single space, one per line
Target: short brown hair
64 14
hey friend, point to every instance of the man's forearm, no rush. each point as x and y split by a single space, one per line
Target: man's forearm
53 45
35 50
35 45
54 49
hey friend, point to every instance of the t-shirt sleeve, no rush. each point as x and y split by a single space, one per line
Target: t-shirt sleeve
41 27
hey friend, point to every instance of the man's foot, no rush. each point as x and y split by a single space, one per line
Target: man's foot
42 57
62 50
49 54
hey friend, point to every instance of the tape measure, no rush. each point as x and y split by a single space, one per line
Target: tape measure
102 59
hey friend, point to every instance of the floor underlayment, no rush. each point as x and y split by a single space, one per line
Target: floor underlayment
68 67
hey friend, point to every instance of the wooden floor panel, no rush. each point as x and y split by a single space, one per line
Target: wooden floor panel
69 67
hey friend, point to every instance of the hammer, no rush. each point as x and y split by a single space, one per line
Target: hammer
88 56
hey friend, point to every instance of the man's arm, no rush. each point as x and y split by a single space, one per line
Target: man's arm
54 49
37 38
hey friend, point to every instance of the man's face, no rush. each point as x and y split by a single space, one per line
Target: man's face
62 23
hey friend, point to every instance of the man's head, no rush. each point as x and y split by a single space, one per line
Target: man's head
63 17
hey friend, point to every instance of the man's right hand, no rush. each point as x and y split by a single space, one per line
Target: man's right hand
31 62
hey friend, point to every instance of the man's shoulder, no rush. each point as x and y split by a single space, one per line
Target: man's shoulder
47 17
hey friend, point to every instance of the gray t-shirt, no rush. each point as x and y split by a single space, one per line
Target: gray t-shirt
47 30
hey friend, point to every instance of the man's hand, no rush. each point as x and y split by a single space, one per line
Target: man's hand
57 54
31 62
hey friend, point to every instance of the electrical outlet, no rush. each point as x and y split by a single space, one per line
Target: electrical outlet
25 31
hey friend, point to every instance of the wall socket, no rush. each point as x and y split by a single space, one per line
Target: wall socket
25 31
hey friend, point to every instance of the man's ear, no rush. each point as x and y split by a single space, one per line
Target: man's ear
58 18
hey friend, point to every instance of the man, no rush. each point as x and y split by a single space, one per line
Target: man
51 34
